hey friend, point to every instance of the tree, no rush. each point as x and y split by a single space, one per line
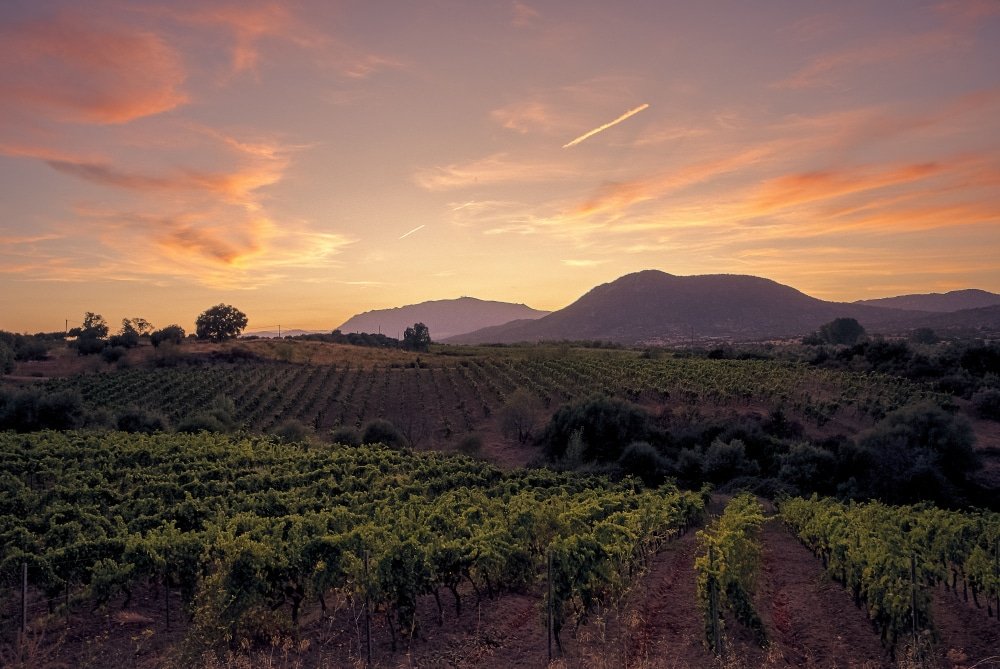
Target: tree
915 451
132 330
520 414
220 322
6 358
417 338
90 336
173 334
842 331
607 426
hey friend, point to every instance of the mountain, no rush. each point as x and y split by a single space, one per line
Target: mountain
444 318
653 306
956 300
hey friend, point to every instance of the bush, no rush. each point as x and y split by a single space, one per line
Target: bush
381 431
113 353
918 452
641 460
30 410
172 334
6 359
201 422
986 402
347 436
471 445
808 468
607 427
292 430
135 419
724 461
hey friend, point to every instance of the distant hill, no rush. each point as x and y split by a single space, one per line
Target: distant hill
653 306
272 334
444 318
955 300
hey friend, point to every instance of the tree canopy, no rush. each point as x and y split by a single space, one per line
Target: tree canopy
842 331
221 322
417 338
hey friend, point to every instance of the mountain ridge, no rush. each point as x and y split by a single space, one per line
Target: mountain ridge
444 318
651 306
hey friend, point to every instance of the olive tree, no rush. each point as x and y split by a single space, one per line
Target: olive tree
221 322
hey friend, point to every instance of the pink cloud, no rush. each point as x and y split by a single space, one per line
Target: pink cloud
72 68
823 70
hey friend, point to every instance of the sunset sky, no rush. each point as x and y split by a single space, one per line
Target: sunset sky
305 161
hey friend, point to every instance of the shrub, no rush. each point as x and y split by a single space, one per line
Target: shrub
381 431
135 419
607 427
292 430
641 460
345 435
471 445
724 461
986 402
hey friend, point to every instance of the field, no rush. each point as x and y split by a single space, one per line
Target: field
244 549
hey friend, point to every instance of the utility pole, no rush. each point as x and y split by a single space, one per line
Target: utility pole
279 331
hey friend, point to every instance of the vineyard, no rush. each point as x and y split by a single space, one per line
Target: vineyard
431 402
891 558
250 533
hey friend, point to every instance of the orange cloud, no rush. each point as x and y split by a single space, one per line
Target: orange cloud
796 189
72 68
616 197
250 23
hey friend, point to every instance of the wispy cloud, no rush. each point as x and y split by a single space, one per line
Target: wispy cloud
496 169
629 114
524 15
73 67
821 71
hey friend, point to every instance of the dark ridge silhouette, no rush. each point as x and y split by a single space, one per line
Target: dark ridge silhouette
656 307
444 318
955 300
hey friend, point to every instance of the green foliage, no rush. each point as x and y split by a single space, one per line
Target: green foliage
891 558
348 436
417 338
727 562
250 530
608 426
292 430
221 322
381 431
144 421
6 358
916 452
470 445
925 336
846 331
643 461
36 409
986 402
520 415
724 461
173 334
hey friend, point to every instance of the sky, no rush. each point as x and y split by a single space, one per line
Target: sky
308 160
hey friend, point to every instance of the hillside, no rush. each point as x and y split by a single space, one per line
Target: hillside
653 306
955 300
444 318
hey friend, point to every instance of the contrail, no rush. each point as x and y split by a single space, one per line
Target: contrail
631 112
411 231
